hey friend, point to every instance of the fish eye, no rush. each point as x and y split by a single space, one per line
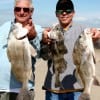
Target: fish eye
80 36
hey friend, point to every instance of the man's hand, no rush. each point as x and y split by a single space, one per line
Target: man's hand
32 32
45 37
95 33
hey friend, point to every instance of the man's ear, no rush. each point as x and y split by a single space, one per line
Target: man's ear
32 10
56 14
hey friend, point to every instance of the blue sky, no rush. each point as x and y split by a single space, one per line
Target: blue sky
44 14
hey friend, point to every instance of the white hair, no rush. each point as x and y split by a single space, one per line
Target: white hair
31 5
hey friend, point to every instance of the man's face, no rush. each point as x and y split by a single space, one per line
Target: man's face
64 16
22 11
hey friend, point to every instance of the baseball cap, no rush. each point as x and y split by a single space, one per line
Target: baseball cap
64 5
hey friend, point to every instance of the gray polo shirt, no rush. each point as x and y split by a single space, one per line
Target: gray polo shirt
67 78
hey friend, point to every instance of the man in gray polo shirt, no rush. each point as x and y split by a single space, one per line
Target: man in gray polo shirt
69 88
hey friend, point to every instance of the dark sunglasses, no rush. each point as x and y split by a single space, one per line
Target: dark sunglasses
18 9
68 11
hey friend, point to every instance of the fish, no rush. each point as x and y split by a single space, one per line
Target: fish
56 50
85 60
19 52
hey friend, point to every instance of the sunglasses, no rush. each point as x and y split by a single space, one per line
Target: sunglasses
18 9
68 11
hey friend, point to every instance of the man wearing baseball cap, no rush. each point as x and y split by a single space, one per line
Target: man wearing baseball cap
68 88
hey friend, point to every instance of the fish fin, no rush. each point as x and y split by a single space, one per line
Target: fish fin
94 59
96 81
25 95
84 96
33 51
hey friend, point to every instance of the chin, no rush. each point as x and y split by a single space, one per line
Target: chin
65 23
21 21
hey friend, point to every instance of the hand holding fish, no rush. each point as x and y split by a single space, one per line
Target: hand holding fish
95 33
46 38
31 29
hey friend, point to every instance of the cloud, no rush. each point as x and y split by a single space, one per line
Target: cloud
76 18
92 22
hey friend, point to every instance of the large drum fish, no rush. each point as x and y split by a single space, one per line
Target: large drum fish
19 53
84 59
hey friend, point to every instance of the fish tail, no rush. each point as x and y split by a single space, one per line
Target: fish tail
25 94
96 81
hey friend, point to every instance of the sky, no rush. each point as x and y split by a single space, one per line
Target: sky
44 11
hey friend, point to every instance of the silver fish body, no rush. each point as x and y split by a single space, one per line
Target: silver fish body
84 59
19 53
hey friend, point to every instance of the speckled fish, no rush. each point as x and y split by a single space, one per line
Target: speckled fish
19 53
56 50
84 59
